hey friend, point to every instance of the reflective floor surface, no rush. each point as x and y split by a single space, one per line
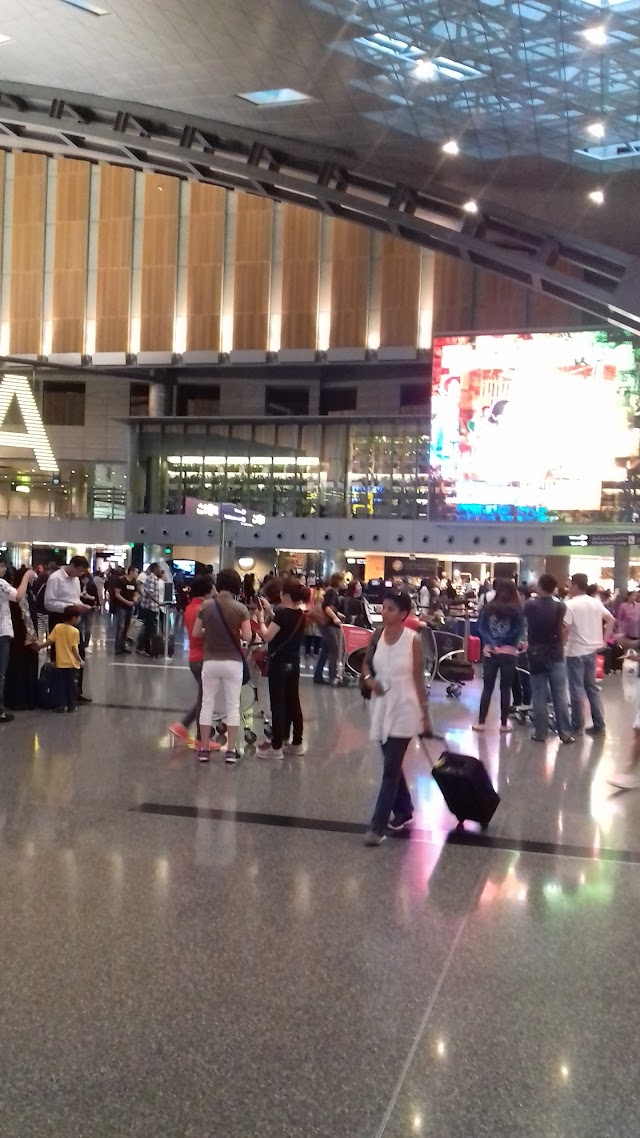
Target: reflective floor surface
195 951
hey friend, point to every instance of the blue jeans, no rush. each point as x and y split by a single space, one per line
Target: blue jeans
5 644
581 672
328 652
555 680
394 792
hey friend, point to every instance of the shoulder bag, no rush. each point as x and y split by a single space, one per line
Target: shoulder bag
245 668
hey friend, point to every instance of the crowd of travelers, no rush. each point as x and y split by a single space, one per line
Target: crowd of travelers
540 642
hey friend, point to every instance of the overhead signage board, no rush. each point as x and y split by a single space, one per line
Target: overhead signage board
222 511
587 540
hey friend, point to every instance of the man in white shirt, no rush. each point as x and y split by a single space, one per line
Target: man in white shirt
588 625
63 591
8 594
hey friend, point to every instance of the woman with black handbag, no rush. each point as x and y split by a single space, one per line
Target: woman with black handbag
284 636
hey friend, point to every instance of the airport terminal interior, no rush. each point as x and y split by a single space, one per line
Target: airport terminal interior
334 305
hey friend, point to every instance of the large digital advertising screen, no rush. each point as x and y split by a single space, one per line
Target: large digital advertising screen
531 426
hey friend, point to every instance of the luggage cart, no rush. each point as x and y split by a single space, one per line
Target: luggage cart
355 642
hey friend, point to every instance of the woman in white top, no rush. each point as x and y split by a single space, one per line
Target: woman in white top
393 671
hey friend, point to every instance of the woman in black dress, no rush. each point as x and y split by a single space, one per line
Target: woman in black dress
21 683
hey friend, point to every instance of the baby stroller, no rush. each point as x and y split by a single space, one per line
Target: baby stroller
450 663
248 698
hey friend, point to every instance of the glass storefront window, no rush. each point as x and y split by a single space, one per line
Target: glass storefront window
291 467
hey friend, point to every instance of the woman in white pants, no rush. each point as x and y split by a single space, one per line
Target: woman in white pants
222 623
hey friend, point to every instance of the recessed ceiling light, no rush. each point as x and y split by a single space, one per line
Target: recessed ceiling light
597 197
596 36
451 147
470 206
596 129
4 39
281 97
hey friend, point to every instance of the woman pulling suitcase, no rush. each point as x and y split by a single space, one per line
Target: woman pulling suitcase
393 673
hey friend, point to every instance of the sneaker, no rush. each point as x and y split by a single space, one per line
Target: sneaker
401 823
595 731
266 751
567 739
478 727
373 839
629 780
336 683
84 699
505 728
203 756
294 748
320 682
180 731
538 738
231 757
72 710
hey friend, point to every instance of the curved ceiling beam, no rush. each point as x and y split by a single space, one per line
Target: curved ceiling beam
598 279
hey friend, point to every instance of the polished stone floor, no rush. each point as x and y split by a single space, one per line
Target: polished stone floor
194 952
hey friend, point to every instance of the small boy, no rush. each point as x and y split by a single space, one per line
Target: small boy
66 639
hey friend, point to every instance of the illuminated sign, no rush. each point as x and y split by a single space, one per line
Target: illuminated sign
531 425
222 511
34 438
582 540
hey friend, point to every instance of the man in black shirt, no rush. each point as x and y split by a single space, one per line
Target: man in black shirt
545 621
124 599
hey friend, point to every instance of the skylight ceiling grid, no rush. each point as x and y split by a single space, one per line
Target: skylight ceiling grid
513 57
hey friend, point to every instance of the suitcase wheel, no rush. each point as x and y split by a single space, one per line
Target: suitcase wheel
454 691
221 728
250 737
267 730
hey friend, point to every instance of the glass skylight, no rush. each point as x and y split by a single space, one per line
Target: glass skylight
281 97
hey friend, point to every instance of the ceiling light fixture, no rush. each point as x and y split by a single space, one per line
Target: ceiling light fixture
596 129
424 69
596 36
5 39
470 206
451 147
597 197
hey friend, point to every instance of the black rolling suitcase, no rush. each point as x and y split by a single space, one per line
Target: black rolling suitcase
466 788
49 691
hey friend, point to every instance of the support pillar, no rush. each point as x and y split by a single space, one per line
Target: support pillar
621 567
160 399
531 566
558 565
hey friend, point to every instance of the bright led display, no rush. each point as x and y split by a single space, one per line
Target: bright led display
529 426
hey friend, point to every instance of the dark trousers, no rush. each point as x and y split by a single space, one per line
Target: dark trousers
394 793
123 620
69 686
5 645
150 628
312 644
494 665
328 653
286 712
193 715
58 618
